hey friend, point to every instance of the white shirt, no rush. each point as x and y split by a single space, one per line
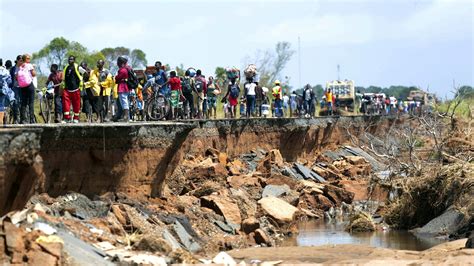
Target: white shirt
250 88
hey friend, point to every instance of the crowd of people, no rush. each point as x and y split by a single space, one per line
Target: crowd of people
125 97
103 97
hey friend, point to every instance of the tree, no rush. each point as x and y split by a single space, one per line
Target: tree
111 55
270 64
54 52
138 59
220 76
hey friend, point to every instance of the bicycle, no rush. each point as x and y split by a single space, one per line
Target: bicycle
157 106
46 103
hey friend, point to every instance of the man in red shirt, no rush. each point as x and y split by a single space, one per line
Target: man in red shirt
176 92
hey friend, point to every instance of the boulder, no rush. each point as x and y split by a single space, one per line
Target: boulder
337 195
275 191
275 157
444 225
223 206
14 238
261 237
310 186
37 257
236 167
239 181
360 222
249 225
356 160
278 209
470 241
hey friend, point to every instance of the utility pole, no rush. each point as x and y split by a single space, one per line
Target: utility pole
299 62
338 70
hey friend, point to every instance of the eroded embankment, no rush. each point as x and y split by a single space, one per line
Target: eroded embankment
136 158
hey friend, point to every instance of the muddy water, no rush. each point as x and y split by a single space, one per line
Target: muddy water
317 233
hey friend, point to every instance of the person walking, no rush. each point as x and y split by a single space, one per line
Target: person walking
56 78
122 89
277 98
250 95
232 96
200 85
72 91
101 83
25 75
212 91
188 91
6 93
16 89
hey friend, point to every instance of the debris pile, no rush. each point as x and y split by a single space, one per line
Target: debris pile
211 203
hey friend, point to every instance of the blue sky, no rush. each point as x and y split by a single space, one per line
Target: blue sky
395 42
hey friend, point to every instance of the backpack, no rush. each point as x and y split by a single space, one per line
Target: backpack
24 77
187 86
199 85
132 81
234 91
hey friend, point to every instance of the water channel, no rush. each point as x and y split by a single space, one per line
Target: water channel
316 233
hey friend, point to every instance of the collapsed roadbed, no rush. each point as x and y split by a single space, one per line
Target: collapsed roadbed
175 192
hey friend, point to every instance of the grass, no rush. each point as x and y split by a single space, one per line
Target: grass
463 110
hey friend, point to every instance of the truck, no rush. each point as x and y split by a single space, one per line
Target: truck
344 97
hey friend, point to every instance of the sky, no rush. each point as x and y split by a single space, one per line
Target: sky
425 43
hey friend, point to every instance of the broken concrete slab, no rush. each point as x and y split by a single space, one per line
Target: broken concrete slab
82 253
186 239
275 191
279 209
224 207
168 237
308 173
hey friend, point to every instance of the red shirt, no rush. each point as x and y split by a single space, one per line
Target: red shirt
56 78
175 84
120 79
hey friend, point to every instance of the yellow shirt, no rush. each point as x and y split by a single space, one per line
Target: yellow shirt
96 86
329 97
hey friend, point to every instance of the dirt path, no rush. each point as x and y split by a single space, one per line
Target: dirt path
447 253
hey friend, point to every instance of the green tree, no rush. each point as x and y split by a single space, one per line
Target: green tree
53 52
138 59
220 76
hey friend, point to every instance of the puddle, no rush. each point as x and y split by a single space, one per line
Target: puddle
316 233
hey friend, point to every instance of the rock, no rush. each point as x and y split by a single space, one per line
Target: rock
444 225
262 238
239 181
275 191
14 238
275 157
206 163
207 188
145 259
265 167
174 244
186 239
337 195
236 167
36 257
356 160
225 227
119 214
224 259
150 242
52 244
223 206
250 224
182 256
311 186
470 241
280 180
279 209
223 158
308 174
360 222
